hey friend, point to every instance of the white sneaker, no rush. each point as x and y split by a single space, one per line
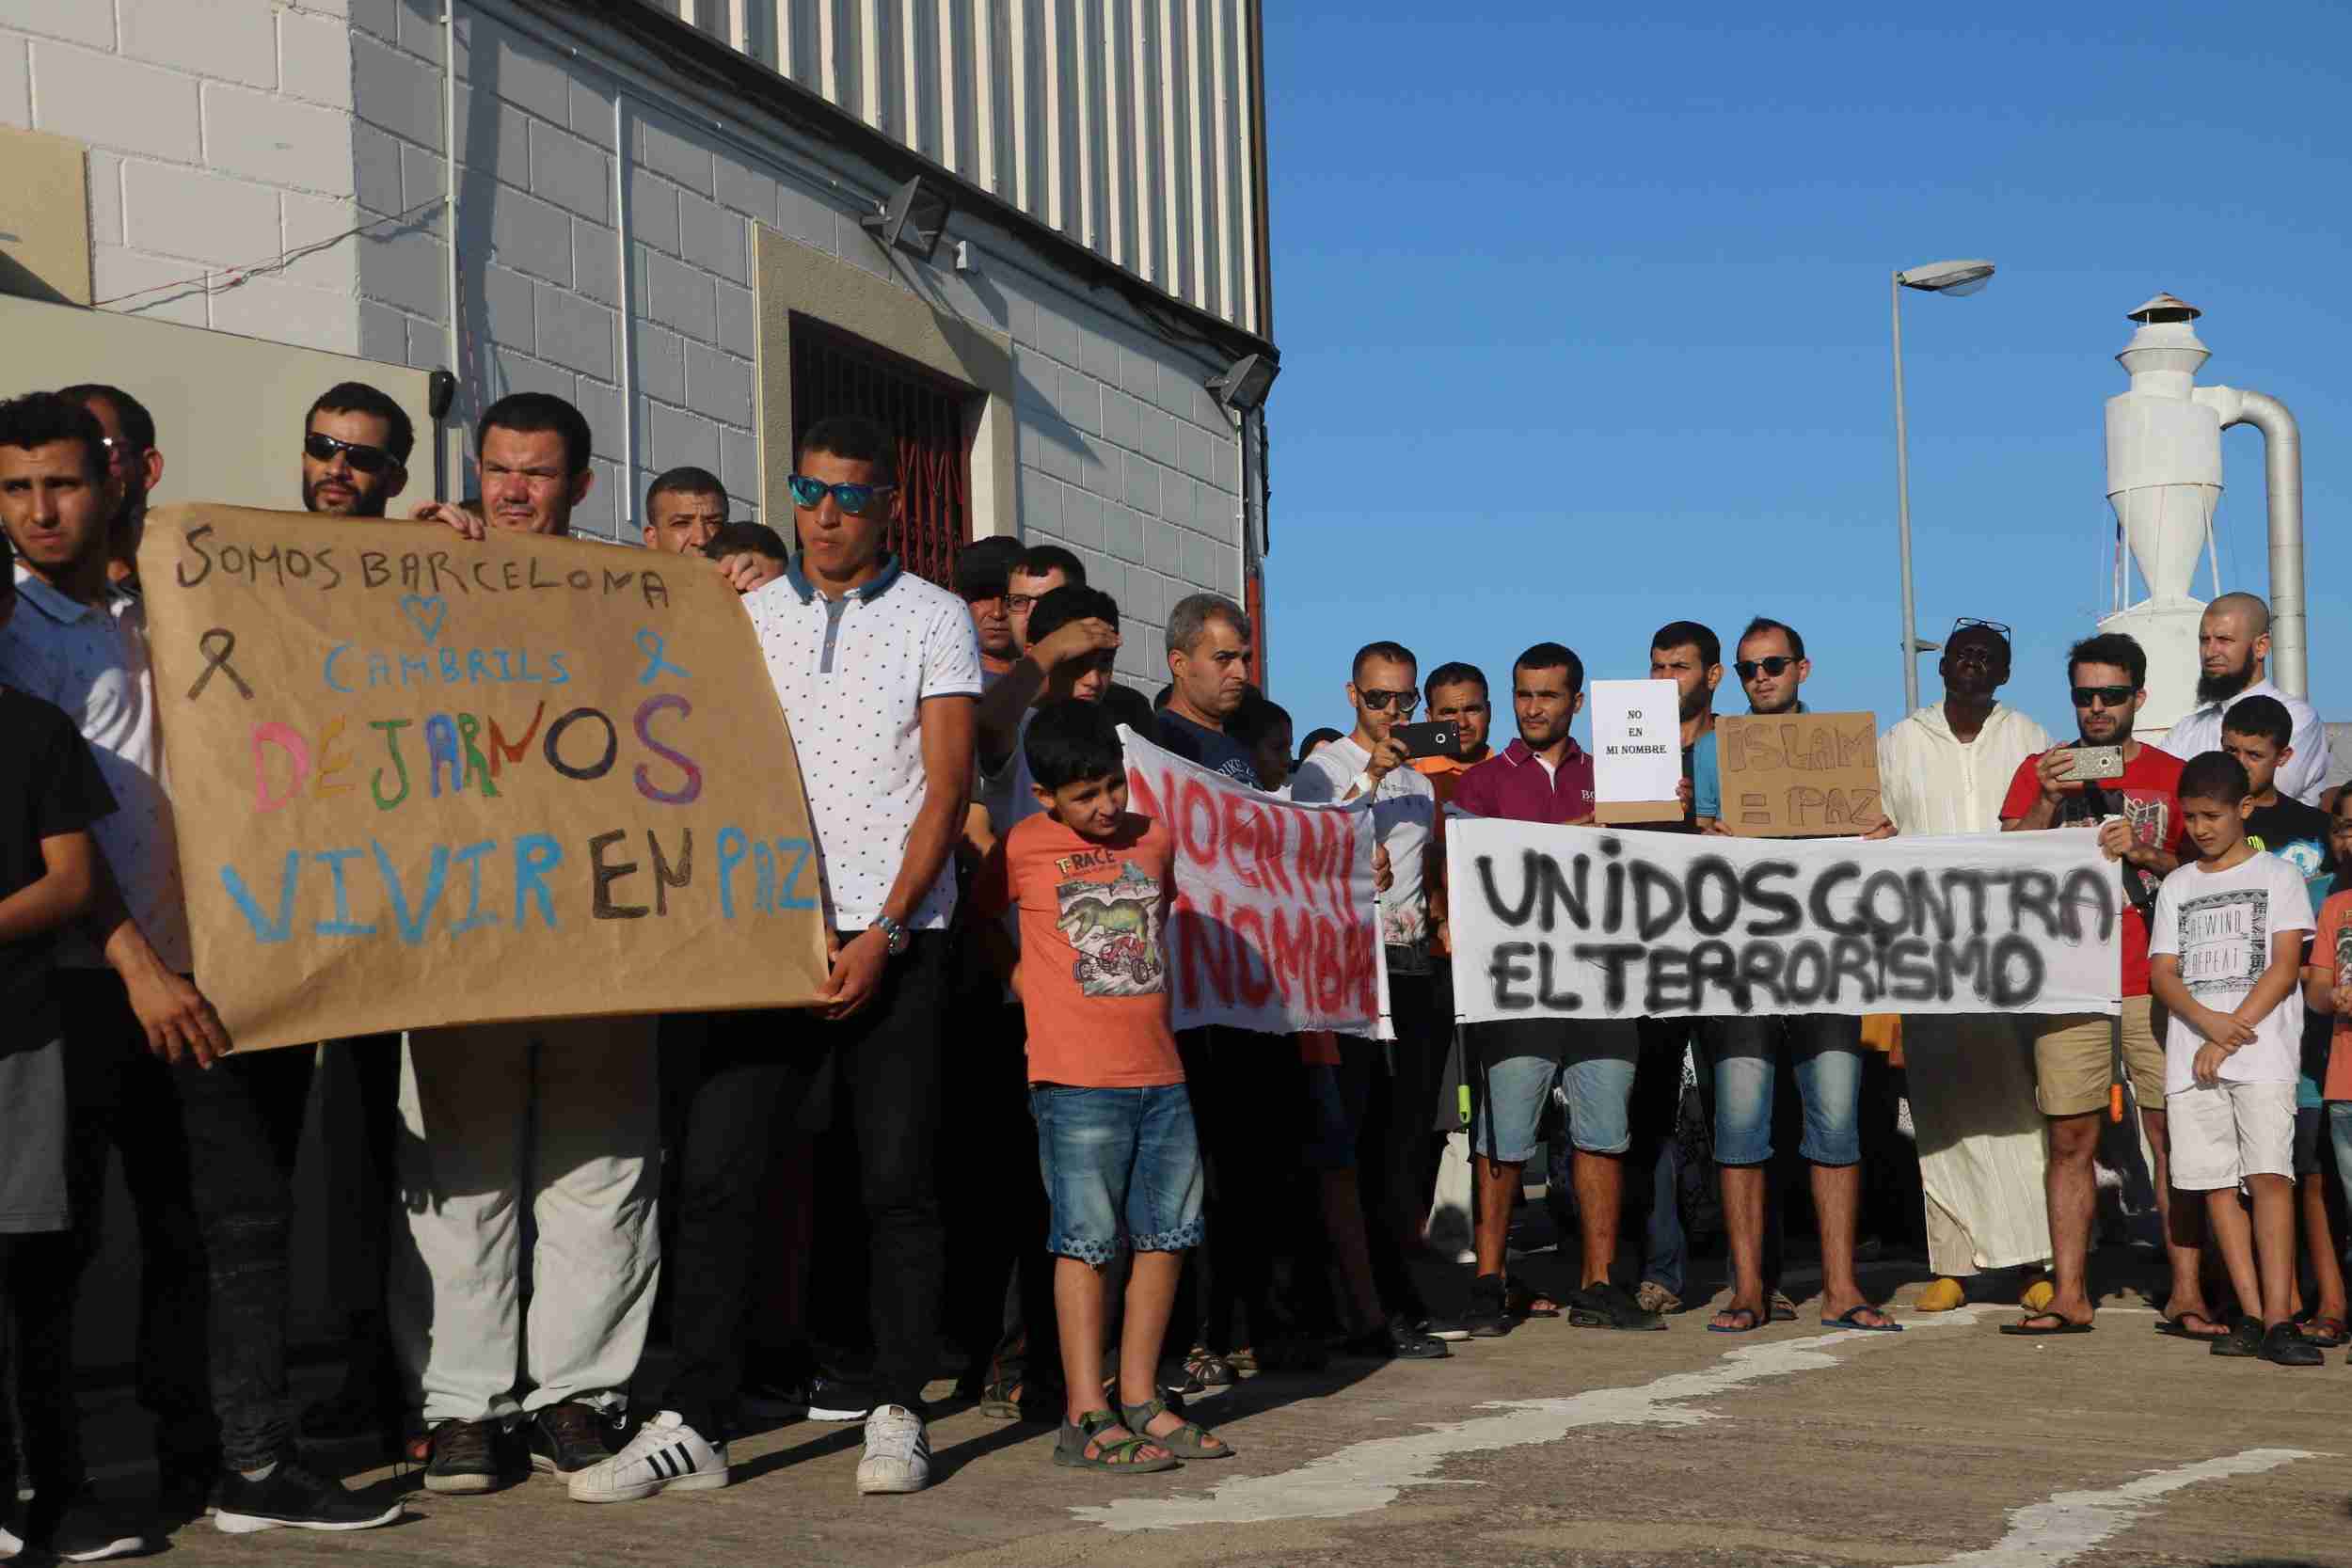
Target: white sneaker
665 1454
897 1452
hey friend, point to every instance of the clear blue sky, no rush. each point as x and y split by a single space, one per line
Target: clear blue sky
1583 321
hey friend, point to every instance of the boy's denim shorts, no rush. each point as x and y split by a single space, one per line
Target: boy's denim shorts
1123 1169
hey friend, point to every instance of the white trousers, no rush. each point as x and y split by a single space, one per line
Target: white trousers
563 1116
1982 1149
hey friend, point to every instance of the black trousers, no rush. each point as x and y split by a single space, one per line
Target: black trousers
1397 1151
999 1298
1249 1112
125 1100
757 1073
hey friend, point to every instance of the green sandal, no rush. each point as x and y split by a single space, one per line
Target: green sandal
1070 1447
1190 1441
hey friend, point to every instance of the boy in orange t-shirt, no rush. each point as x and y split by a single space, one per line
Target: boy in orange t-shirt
1092 881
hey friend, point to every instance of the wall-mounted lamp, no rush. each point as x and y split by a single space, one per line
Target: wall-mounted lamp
914 217
1244 385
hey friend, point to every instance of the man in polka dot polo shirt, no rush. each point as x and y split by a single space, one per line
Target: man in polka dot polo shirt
878 676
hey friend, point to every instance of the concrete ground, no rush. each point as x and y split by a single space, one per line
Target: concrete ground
1944 1445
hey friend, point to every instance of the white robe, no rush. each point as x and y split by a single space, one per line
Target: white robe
1983 1149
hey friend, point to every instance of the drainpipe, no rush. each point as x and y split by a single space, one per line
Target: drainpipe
2282 477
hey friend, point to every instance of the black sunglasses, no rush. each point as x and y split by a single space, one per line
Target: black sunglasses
1379 700
852 498
1772 665
2113 696
322 448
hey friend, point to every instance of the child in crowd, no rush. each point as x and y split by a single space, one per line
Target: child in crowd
1092 881
2225 946
2260 732
2328 990
50 793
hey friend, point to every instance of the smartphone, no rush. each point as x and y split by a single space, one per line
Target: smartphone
2096 762
1436 738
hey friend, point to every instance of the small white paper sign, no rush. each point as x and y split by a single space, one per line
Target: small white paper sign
1637 748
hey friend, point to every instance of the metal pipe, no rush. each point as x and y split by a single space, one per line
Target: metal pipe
453 442
1902 504
2282 482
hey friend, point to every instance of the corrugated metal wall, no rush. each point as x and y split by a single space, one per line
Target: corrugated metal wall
1126 124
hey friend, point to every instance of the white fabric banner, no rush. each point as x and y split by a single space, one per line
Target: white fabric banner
1274 925
1587 922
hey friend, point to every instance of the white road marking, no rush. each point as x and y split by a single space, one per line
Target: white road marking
2044 1535
1368 1476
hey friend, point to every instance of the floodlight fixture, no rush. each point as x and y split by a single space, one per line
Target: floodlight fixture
914 217
1243 385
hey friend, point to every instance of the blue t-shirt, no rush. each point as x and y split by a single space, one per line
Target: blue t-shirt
1211 749
1707 785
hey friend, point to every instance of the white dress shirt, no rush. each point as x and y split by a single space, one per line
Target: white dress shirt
2302 775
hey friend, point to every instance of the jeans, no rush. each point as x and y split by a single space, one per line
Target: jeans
244 1120
1827 1048
2340 1135
1123 1169
761 1072
563 1116
125 1099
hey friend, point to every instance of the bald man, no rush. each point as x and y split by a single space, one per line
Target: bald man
2232 652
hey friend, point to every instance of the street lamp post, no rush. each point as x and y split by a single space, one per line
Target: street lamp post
1936 278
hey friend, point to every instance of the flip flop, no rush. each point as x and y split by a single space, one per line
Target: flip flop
2023 1328
1755 1320
1851 1318
1781 1309
2170 1328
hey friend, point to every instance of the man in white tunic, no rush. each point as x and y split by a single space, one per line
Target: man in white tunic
2233 664
1982 1151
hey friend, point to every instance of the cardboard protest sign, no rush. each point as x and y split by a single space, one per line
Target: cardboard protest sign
1274 925
1799 775
419 780
1586 923
1637 752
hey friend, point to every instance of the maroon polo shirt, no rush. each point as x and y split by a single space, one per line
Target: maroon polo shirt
1515 787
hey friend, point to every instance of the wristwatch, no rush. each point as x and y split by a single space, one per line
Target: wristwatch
895 934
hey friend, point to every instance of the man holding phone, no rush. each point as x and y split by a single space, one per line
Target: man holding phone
1400 1164
2128 794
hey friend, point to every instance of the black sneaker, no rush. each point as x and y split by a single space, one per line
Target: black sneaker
776 1398
1394 1341
292 1498
1437 1326
568 1439
831 1399
465 1458
1485 1319
76 1527
2283 1345
1608 1304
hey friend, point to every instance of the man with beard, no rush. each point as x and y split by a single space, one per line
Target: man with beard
2233 653
1945 770
134 467
355 452
1544 776
2137 818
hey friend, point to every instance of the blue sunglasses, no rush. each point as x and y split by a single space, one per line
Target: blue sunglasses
851 498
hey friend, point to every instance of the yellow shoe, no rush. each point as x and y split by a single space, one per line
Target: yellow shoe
2038 1295
1943 1296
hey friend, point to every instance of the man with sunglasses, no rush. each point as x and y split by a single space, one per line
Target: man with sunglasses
879 673
355 442
134 467
2137 818
1946 769
1827 1052
1394 1100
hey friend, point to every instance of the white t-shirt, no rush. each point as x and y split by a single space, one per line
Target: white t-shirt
2220 924
92 661
853 674
1403 812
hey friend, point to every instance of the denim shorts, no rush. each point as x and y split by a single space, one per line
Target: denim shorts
1123 1169
1511 1075
1828 1052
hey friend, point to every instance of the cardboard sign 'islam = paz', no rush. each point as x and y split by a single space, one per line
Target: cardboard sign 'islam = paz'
419 780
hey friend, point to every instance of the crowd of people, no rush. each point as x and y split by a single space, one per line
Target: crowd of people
1205 1203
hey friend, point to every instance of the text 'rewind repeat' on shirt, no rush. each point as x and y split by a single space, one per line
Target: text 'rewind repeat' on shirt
853 674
